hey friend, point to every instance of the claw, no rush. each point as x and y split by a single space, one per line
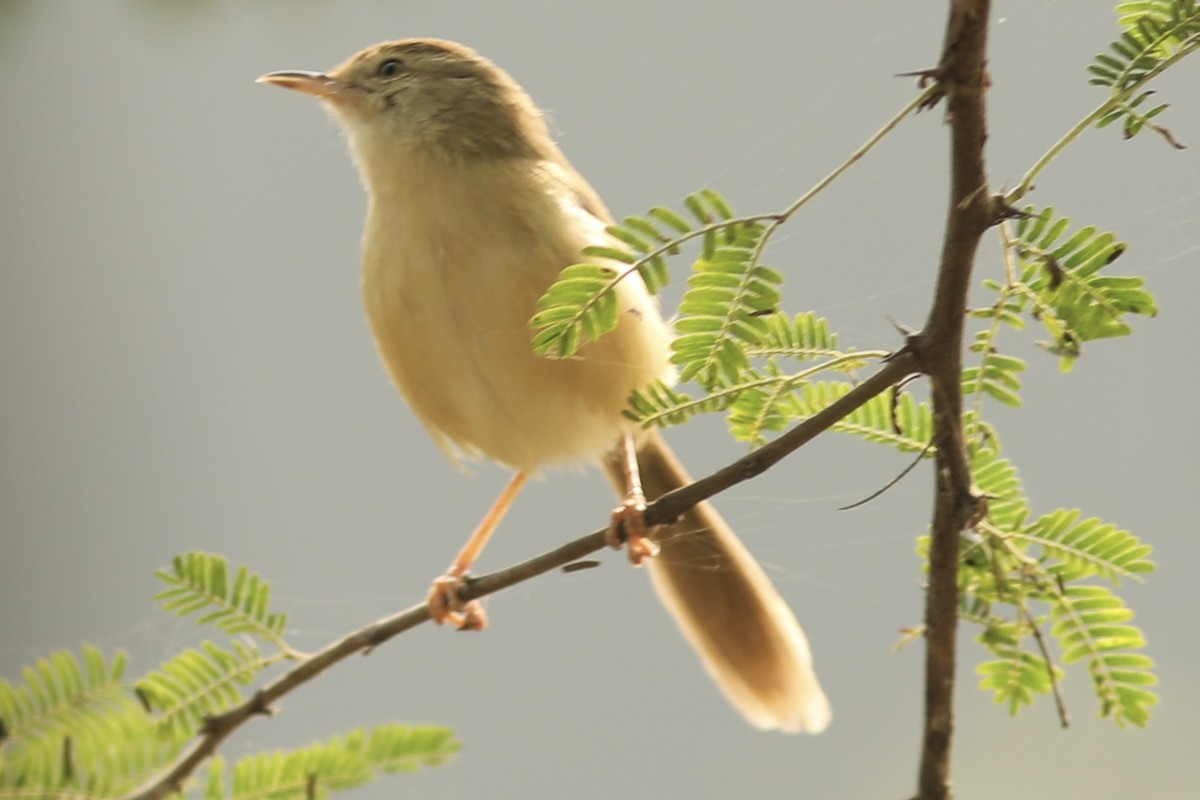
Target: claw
446 606
628 526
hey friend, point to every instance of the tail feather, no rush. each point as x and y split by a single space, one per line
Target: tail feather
747 638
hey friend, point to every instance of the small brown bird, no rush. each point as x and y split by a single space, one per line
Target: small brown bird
473 211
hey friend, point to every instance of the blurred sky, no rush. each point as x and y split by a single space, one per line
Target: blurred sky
184 364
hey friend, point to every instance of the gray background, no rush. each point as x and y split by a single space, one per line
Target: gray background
184 364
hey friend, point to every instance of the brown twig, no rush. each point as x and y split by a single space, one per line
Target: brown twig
669 506
962 76
1060 703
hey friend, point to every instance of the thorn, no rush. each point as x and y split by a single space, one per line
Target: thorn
904 330
924 76
1001 210
892 482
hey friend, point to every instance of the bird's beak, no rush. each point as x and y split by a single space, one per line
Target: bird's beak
318 84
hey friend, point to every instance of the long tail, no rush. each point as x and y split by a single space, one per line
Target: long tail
726 606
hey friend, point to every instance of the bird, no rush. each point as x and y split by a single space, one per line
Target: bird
472 213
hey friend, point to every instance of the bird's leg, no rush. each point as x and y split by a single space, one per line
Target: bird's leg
630 516
444 602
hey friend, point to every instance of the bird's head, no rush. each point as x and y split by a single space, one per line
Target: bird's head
428 95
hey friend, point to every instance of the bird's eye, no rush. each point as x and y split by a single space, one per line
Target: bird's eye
390 68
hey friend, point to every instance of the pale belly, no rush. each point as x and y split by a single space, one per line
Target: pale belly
453 334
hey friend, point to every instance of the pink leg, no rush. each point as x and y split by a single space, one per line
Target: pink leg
443 600
628 522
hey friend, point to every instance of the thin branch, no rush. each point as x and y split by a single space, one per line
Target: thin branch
668 507
917 102
1118 98
784 381
775 219
962 78
1064 717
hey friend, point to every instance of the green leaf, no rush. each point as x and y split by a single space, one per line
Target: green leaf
199 683
695 204
717 203
1016 678
214 786
77 732
671 219
997 375
201 581
1157 33
58 695
1062 284
342 763
1088 547
579 307
724 310
899 421
404 748
611 253
635 231
996 477
1090 626
805 337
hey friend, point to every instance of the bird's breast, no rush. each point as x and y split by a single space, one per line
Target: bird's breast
452 271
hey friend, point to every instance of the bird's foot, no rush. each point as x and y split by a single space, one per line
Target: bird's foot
446 606
628 526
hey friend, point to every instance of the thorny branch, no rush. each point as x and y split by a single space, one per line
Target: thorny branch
962 77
